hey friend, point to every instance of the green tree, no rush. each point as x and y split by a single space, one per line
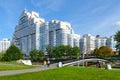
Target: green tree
36 55
105 52
95 52
57 52
76 52
12 53
117 38
40 55
49 51
65 52
33 55
69 51
2 55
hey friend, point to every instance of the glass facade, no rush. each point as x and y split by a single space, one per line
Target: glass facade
33 32
60 34
26 35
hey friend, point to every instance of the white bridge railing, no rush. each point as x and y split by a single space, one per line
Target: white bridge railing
82 61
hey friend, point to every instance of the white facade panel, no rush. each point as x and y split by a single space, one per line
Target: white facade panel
4 44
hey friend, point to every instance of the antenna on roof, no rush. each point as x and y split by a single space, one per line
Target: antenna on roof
25 10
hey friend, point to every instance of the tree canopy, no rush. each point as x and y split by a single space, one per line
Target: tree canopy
117 38
65 52
12 53
36 55
2 55
103 51
49 51
58 52
95 52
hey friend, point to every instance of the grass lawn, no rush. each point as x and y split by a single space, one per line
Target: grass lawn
13 66
68 73
116 57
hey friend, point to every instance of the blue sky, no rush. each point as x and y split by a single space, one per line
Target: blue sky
86 16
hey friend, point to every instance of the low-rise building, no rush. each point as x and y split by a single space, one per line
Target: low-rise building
88 43
4 44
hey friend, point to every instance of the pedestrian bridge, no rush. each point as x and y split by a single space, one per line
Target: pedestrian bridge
84 60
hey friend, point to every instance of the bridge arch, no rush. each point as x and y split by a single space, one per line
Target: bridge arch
83 60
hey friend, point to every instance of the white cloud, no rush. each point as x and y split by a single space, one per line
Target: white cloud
108 21
116 24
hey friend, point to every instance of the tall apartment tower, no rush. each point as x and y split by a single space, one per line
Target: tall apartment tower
111 43
61 33
26 35
100 41
44 36
56 33
87 44
32 32
4 44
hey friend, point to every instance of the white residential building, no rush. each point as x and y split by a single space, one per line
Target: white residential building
87 44
61 33
32 32
56 33
100 41
111 43
4 44
26 35
106 41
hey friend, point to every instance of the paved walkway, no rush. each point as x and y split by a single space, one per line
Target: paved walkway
10 72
